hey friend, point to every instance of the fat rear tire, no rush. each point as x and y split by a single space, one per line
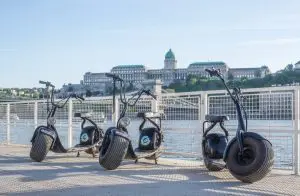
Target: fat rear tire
113 151
261 162
40 147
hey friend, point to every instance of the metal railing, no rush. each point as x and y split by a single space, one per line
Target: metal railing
272 112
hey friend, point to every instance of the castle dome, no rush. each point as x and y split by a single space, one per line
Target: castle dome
170 55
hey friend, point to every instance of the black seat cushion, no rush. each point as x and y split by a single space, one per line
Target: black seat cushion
83 114
148 115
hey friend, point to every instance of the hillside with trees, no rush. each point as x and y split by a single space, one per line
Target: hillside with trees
287 76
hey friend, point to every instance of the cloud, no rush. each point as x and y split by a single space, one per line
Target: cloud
279 41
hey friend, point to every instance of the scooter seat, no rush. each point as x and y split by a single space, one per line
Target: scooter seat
148 115
213 118
83 114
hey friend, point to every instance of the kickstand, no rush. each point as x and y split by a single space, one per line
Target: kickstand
136 161
78 154
155 161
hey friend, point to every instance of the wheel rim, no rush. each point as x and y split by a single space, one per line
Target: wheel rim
247 157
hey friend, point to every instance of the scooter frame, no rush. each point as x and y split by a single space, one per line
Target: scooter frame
51 130
146 116
241 131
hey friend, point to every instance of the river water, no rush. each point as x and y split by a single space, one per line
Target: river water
180 136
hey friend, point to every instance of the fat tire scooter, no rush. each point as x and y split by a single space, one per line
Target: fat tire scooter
249 157
45 138
117 145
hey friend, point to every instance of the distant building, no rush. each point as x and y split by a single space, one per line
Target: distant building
138 73
131 73
250 73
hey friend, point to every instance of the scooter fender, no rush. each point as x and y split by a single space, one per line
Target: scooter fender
246 134
47 131
120 133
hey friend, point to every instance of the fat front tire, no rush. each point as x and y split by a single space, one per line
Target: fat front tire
40 147
211 166
113 151
257 160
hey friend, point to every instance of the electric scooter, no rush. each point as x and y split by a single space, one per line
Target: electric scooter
46 138
249 157
117 145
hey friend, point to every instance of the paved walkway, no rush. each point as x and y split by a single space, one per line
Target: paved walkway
68 175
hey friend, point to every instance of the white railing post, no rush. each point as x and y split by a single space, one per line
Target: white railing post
115 115
155 105
203 106
203 111
70 120
157 92
296 131
8 123
35 114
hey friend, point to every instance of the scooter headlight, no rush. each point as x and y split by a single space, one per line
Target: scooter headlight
124 122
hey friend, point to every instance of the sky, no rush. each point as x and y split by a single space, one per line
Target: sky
60 40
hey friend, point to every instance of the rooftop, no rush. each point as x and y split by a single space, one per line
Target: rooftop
208 63
128 66
66 174
200 64
244 69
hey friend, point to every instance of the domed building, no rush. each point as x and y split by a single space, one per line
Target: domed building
170 61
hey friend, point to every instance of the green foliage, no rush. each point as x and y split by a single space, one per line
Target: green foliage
289 67
197 83
257 73
88 93
230 76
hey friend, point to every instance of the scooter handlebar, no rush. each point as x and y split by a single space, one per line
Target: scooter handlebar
46 83
81 98
77 97
148 92
213 72
114 76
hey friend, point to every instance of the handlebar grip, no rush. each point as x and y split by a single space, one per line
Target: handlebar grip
150 94
81 98
109 75
211 72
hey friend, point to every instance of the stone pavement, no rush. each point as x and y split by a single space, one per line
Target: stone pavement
66 174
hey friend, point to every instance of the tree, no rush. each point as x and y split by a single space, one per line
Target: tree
257 73
70 89
130 87
266 69
88 93
244 79
191 80
230 76
289 67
